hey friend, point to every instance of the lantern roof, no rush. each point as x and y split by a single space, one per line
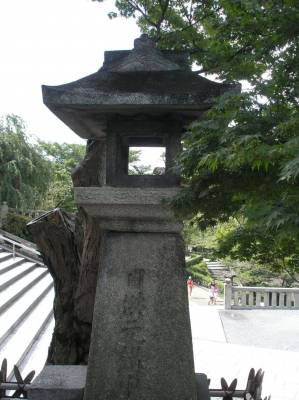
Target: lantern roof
144 80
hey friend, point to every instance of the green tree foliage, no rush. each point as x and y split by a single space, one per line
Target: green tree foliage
199 272
254 260
241 159
135 168
202 242
38 175
16 224
24 173
279 254
63 159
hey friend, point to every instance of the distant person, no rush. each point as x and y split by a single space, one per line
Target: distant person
190 285
212 287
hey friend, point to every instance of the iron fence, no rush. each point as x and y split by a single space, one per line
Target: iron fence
17 388
253 390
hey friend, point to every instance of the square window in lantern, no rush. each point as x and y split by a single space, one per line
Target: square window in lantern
146 160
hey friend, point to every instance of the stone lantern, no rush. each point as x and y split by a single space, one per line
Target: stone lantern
141 346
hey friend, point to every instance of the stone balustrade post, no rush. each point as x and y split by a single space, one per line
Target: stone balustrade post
228 294
3 213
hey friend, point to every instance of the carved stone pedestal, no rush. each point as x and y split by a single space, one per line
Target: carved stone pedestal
141 346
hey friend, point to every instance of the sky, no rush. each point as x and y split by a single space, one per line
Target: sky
53 42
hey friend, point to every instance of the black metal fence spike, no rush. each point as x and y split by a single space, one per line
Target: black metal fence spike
29 377
228 390
253 389
224 384
20 383
3 375
17 374
2 391
233 385
4 370
259 377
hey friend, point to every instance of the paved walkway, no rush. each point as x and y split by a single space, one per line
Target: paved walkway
216 357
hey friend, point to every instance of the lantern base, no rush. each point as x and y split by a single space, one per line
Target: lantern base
141 346
130 209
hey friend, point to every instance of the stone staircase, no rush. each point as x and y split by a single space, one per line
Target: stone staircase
26 305
216 269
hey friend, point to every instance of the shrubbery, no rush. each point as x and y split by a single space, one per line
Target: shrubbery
198 270
16 225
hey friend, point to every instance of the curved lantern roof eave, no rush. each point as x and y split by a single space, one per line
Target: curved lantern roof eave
143 80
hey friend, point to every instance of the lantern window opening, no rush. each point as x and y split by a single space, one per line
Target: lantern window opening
146 160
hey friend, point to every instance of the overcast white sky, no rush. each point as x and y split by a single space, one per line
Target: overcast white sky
53 42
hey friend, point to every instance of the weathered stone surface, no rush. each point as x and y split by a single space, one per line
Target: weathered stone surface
202 387
3 213
141 347
114 57
130 225
124 196
141 80
85 290
59 382
124 132
129 212
133 204
144 57
92 169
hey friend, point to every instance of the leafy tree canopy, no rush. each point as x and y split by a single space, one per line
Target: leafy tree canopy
243 155
37 175
135 168
24 173
241 158
63 158
270 256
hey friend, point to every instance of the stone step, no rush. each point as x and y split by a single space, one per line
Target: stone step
215 264
26 311
5 256
16 278
5 267
21 292
21 344
216 268
12 328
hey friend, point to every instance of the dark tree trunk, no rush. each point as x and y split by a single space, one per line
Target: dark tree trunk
74 276
70 247
84 295
54 235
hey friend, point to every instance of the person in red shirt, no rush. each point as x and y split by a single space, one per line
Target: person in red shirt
190 285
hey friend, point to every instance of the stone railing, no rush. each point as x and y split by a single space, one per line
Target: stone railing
20 247
3 213
244 297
